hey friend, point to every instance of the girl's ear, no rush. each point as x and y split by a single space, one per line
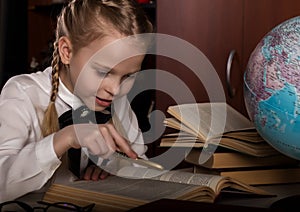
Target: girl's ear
65 50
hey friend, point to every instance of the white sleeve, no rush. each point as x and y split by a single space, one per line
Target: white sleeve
27 161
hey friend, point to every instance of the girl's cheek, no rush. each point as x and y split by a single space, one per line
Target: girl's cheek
89 85
126 86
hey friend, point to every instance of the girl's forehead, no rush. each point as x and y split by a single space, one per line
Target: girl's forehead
126 66
113 51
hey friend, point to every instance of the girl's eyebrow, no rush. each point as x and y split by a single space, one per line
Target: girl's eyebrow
98 65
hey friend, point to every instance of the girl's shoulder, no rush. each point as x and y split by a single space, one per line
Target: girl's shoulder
40 78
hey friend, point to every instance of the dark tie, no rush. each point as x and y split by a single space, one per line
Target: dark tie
80 115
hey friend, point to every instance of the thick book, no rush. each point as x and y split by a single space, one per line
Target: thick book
222 159
135 186
256 148
256 176
216 123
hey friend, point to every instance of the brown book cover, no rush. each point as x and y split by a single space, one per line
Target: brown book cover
257 176
222 159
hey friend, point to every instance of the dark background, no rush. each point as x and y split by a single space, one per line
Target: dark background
13 38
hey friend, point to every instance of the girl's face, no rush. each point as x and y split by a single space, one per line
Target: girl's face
103 71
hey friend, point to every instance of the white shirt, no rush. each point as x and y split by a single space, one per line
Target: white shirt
27 159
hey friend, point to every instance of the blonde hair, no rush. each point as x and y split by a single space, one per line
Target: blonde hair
83 21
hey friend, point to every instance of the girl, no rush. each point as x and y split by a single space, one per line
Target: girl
31 142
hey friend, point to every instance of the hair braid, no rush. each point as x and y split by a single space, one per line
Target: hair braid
50 123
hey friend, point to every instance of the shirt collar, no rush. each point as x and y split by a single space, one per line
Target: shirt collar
65 95
68 97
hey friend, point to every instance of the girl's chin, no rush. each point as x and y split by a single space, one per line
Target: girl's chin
99 108
96 107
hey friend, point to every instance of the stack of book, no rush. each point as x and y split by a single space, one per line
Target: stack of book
220 140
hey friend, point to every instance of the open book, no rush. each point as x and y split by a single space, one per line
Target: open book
208 120
134 186
216 122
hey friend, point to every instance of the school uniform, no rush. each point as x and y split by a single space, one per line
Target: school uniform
27 159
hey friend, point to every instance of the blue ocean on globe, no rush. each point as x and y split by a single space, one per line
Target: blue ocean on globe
272 87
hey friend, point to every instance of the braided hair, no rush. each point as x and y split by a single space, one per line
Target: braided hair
84 21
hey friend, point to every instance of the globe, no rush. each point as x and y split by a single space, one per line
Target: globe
272 87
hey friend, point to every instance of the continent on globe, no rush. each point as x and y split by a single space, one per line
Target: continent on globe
272 87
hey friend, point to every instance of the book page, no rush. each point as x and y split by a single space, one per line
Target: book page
177 176
246 145
176 124
210 119
118 194
215 182
242 135
139 189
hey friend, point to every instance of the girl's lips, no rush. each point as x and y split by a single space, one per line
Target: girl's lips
103 102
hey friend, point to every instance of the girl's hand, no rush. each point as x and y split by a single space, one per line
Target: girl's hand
100 139
95 173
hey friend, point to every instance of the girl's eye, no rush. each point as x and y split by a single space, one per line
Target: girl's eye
130 75
102 73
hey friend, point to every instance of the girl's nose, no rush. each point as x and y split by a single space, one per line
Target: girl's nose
112 86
